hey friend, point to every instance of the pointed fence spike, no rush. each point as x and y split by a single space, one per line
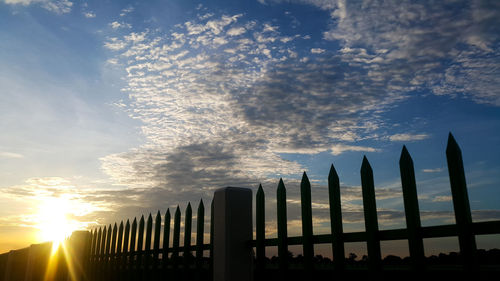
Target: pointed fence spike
166 233
282 227
108 240
156 245
126 237
337 231
260 231
99 248
307 226
140 235
412 212
133 236
149 232
119 242
177 230
370 212
461 205
200 223
188 219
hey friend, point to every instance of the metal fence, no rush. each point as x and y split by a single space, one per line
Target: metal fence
144 251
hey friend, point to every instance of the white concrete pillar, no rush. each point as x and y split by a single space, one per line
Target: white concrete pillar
233 228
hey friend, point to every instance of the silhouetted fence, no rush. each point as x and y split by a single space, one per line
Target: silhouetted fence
148 250
131 251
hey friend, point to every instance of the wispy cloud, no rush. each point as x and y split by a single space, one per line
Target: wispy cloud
126 11
341 148
89 14
408 137
317 51
435 170
116 25
441 199
6 154
56 6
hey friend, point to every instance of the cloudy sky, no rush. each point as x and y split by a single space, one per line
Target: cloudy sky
112 109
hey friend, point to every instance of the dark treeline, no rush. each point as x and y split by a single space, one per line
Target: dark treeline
484 257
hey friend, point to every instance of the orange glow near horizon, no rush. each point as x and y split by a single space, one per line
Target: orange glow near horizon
54 222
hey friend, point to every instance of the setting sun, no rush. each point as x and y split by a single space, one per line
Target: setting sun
54 222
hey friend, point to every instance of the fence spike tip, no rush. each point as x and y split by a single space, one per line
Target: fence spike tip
281 185
452 143
365 164
333 173
405 155
260 188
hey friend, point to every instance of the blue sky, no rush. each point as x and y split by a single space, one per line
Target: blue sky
124 107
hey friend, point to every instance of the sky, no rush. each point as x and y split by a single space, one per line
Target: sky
113 109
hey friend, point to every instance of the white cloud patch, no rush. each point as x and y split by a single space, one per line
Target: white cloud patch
442 199
435 170
317 51
235 31
115 44
126 11
117 25
338 149
408 137
89 14
56 6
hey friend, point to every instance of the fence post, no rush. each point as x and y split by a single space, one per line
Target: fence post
77 252
232 231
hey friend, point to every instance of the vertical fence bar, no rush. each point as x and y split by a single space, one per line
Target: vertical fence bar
177 233
371 221
125 252
119 246
211 251
112 256
93 255
282 229
260 231
105 272
140 252
133 250
156 245
132 255
337 229
176 242
463 217
188 219
307 226
147 249
166 240
412 211
92 245
100 266
200 224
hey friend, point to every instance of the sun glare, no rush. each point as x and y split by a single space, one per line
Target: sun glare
54 222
